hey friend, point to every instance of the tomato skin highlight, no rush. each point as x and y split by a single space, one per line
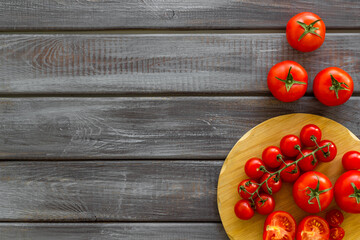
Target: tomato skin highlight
306 133
287 145
301 191
313 227
332 149
306 164
345 194
243 209
275 186
310 41
337 233
269 156
286 174
267 207
279 223
323 82
251 188
278 88
334 217
351 160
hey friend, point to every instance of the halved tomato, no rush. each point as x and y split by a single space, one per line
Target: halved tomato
313 228
279 225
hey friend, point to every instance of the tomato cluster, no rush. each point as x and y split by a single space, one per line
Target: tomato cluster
312 191
288 80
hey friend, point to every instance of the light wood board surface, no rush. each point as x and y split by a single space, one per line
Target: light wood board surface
252 144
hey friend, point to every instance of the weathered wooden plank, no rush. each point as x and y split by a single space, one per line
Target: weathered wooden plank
206 14
112 231
109 191
146 127
160 63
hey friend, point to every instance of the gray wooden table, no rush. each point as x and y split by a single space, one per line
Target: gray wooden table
116 116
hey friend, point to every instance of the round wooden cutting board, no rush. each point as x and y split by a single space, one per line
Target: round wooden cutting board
252 144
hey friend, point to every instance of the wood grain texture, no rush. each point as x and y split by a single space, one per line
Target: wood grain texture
109 191
160 63
112 231
252 144
204 14
143 127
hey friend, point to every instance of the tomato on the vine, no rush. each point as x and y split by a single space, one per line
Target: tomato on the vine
313 192
337 233
347 191
334 217
264 204
351 160
279 225
309 163
326 154
252 168
274 183
333 86
287 81
305 32
270 156
313 227
247 187
288 145
306 135
291 173
243 209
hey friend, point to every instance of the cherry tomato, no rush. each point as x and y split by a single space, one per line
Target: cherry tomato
328 153
313 192
307 164
252 168
307 132
249 185
273 183
291 173
243 209
351 160
337 233
313 227
287 81
270 156
333 86
334 217
347 191
264 204
287 145
305 32
279 225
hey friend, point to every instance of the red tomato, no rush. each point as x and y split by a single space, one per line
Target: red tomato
307 132
310 187
337 233
328 153
273 183
291 173
288 144
279 225
264 204
309 163
243 209
249 185
252 168
305 32
347 191
270 156
313 227
287 81
351 160
334 217
333 86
